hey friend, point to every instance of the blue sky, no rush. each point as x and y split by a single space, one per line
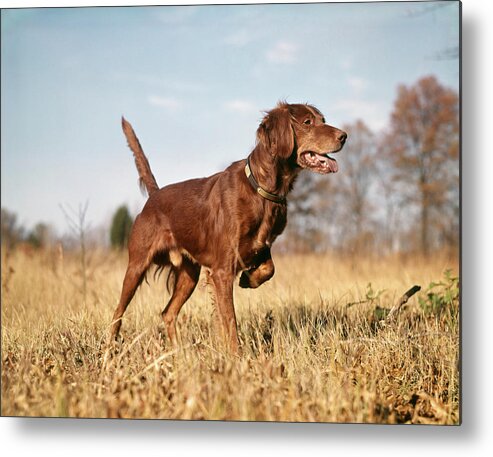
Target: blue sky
193 81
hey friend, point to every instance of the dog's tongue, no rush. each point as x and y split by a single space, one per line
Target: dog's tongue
330 163
321 163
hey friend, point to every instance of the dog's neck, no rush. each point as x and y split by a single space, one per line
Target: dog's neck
275 175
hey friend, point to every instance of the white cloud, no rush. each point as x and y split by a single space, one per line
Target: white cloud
169 103
171 84
373 113
283 52
239 38
356 104
347 63
357 85
160 83
240 106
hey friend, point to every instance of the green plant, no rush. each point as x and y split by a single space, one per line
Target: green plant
371 295
441 296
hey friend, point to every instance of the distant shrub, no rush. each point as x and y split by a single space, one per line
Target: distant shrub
120 228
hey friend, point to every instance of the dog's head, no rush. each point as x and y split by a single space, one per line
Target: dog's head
299 133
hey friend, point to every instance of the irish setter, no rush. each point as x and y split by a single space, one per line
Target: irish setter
227 222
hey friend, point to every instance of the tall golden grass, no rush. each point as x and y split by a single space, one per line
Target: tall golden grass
315 346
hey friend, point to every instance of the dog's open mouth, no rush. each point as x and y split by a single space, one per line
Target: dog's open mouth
320 163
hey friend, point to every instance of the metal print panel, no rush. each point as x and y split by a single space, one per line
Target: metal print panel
293 253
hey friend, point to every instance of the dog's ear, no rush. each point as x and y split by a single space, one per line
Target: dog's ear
275 132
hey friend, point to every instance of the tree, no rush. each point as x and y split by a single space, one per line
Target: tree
79 227
303 231
422 147
40 236
357 179
12 233
120 227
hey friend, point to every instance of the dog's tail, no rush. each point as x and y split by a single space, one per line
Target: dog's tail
147 181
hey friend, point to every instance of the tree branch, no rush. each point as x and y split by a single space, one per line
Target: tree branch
402 301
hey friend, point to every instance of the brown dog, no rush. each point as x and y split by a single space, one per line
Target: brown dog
226 222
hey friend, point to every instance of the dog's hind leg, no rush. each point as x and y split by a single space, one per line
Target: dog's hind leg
138 263
133 278
186 278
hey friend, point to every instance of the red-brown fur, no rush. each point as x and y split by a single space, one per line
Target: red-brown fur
220 222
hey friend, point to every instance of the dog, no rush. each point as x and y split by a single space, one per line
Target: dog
227 222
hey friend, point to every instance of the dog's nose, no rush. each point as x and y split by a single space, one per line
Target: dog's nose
342 137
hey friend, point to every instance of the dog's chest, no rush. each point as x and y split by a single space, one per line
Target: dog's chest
273 223
263 233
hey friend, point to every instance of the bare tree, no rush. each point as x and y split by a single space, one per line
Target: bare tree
356 205
308 227
78 225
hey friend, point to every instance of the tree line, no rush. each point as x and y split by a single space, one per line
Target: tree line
43 236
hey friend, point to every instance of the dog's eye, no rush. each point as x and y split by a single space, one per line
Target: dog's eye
323 120
308 122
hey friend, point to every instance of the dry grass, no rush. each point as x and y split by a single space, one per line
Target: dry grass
306 354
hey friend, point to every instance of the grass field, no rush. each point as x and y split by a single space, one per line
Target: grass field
314 343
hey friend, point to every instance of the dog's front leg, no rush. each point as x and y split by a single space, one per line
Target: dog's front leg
223 284
261 270
256 276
